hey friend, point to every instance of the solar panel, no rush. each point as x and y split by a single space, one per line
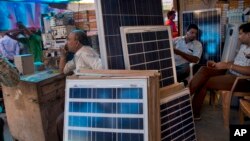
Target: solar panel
106 110
209 23
149 48
112 14
231 43
177 118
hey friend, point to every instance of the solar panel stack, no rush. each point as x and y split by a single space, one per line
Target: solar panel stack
149 48
112 14
121 105
209 23
176 115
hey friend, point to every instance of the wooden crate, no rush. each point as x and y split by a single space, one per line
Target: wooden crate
153 102
34 105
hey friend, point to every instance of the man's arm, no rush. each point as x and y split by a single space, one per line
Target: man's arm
64 66
190 58
62 62
245 70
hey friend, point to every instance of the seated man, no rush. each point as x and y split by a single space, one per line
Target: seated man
221 75
85 58
187 50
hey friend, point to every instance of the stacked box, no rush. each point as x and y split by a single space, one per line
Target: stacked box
92 20
246 4
25 63
86 20
235 4
81 20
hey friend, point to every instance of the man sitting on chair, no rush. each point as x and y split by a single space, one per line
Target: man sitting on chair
187 50
221 75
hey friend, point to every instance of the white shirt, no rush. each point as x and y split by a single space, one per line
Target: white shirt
9 47
192 48
84 58
241 59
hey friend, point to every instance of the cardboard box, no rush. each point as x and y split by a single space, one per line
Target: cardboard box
24 63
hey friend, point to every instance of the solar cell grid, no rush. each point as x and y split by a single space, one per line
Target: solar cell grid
177 118
116 13
149 48
209 24
107 112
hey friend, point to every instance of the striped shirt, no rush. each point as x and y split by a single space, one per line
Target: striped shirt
9 75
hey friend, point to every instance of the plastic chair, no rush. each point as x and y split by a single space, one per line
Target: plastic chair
244 109
191 71
227 96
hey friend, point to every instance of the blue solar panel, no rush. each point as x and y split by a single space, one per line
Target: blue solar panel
112 110
149 48
177 118
117 13
209 23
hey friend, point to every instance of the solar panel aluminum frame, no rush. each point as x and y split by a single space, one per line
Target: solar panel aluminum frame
171 97
100 29
140 29
106 83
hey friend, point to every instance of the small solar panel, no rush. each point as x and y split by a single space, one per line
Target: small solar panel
112 14
106 110
149 48
177 117
209 23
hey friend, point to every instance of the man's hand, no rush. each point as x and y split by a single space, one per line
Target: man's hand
211 64
63 52
223 65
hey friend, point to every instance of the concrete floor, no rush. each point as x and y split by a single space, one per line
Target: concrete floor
209 128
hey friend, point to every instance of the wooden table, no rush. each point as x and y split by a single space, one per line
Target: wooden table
33 106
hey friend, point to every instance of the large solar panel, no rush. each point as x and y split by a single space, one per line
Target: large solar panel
177 122
106 110
149 48
112 14
209 23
